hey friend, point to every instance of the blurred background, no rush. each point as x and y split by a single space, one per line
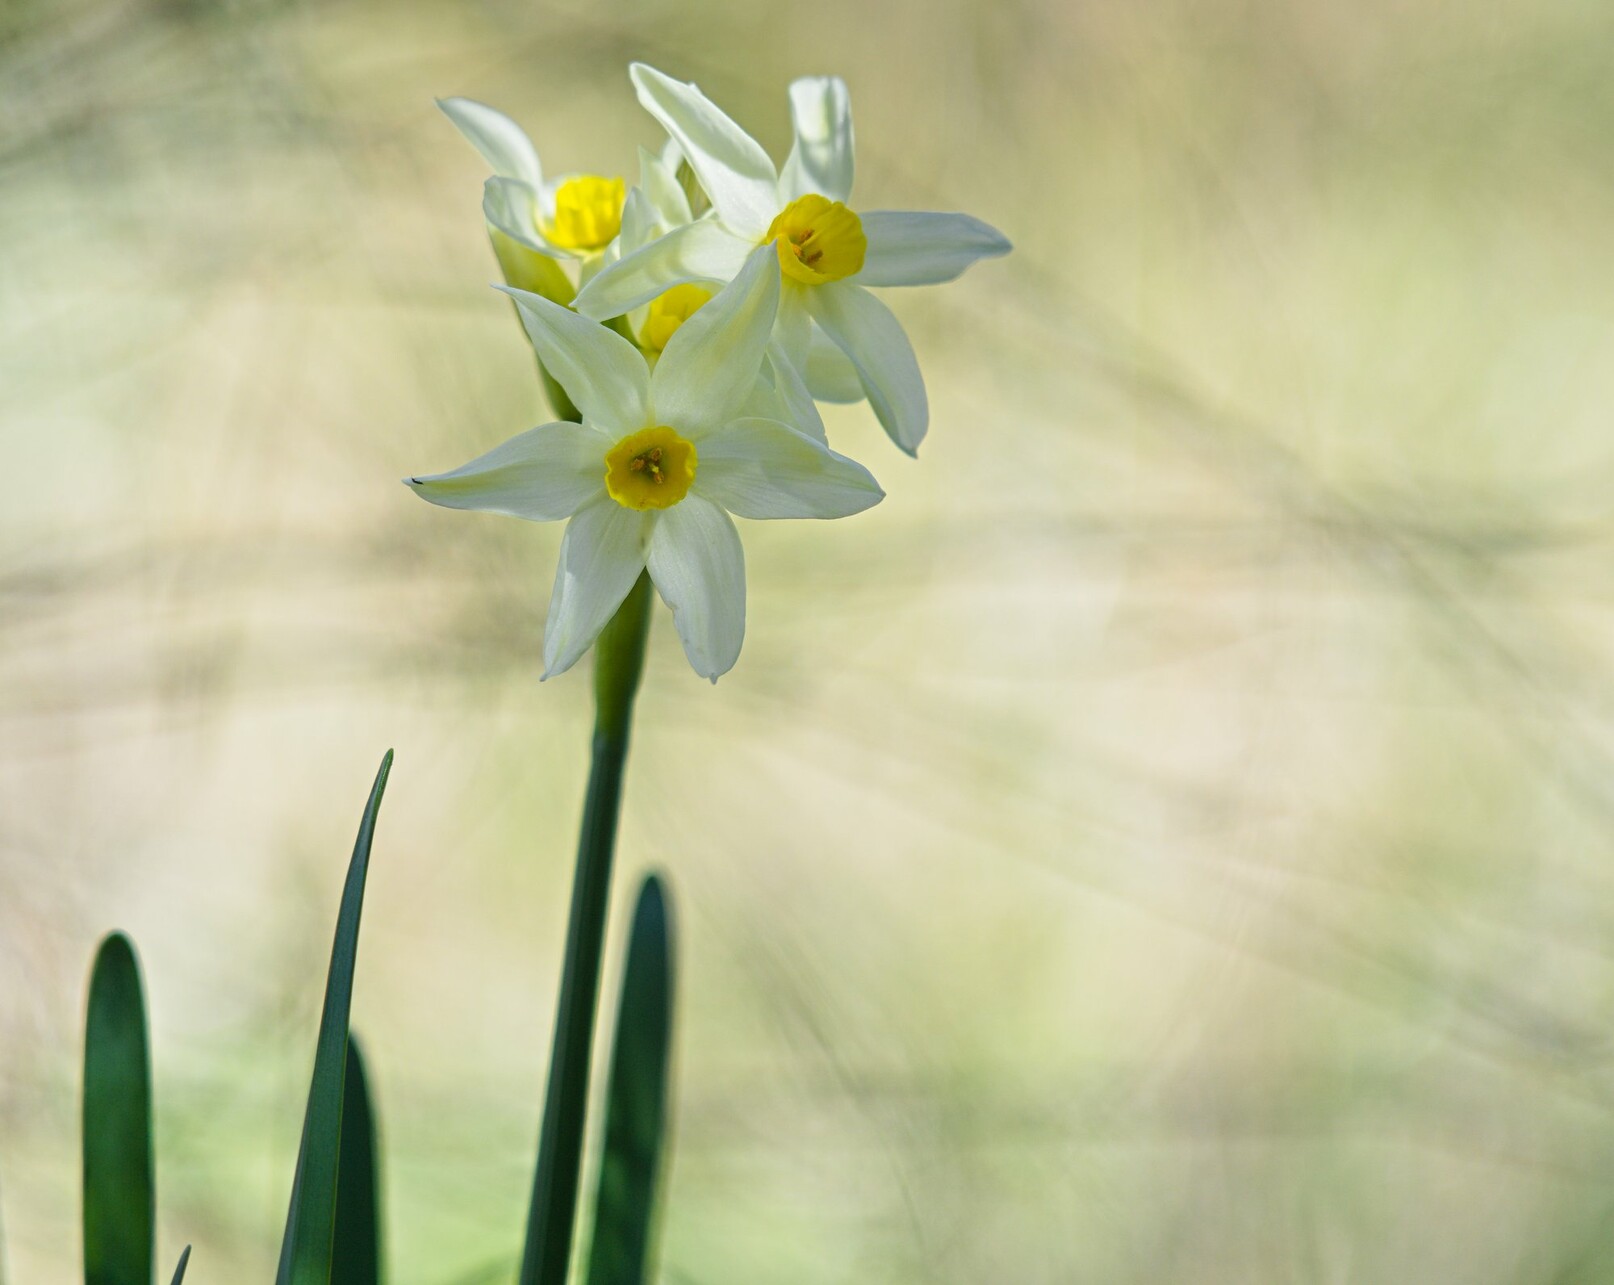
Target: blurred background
1169 840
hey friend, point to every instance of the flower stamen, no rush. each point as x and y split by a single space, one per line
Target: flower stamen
649 462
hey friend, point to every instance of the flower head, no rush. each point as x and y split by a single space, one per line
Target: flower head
661 459
573 217
826 252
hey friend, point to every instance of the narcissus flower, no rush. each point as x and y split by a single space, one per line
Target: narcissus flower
826 253
653 209
661 459
573 217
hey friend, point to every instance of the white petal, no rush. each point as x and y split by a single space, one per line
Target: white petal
604 375
821 159
544 474
710 364
783 395
661 186
830 375
701 251
503 143
640 223
759 468
913 248
512 207
794 326
731 165
699 568
865 330
600 558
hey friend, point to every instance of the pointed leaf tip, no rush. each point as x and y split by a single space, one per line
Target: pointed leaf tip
311 1233
184 1259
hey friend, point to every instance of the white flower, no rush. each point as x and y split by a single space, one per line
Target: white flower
573 217
827 254
650 476
653 209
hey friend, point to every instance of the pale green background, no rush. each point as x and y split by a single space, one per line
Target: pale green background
1167 841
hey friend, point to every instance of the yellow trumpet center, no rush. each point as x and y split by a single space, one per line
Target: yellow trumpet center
818 240
668 311
650 469
588 212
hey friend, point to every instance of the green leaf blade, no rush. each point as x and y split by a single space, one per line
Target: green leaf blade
309 1243
119 1184
356 1255
621 1248
184 1261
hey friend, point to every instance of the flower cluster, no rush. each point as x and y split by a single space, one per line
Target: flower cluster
714 304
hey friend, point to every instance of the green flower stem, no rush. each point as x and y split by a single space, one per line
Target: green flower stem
618 662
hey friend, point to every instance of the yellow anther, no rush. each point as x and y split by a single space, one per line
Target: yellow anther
650 469
818 240
669 310
588 212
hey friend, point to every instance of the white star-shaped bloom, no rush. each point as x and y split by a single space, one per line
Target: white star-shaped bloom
827 254
662 457
576 216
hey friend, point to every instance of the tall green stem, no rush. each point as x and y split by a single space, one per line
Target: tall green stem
618 662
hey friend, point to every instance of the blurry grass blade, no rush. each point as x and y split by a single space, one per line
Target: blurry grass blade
179 1272
636 1099
119 1195
356 1257
305 1252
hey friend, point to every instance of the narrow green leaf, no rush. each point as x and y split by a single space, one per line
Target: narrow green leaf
620 1252
305 1251
184 1260
356 1259
119 1189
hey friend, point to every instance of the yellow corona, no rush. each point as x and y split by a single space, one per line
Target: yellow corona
588 212
650 469
668 311
818 240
